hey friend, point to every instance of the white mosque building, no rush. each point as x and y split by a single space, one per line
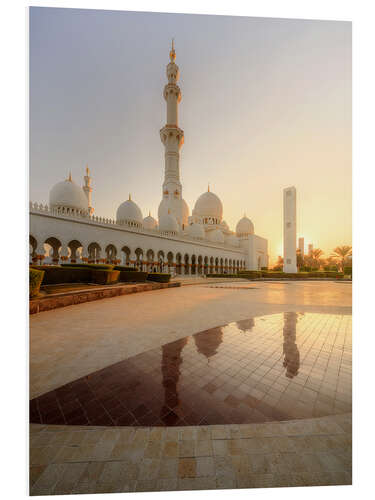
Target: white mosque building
196 244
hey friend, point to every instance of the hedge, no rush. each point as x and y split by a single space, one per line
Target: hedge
125 268
221 275
90 266
133 276
55 275
35 280
159 277
105 276
348 270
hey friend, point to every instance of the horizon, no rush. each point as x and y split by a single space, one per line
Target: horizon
284 118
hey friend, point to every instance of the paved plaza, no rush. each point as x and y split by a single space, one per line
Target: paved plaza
270 361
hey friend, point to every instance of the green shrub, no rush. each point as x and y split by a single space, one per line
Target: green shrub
35 280
105 276
133 276
125 268
307 269
277 268
55 275
159 277
348 270
264 268
221 275
90 266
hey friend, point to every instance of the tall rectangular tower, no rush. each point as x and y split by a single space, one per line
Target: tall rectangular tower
290 230
301 246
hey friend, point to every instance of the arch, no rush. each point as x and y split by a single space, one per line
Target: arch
216 265
205 266
161 257
74 245
187 265
126 255
111 253
150 256
33 246
259 262
193 264
170 261
221 265
139 258
94 250
178 263
200 264
55 244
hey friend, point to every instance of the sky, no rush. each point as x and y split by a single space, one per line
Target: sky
266 104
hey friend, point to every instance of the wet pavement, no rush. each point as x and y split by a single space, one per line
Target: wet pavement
276 367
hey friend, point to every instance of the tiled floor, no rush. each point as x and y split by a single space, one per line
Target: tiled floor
73 459
272 368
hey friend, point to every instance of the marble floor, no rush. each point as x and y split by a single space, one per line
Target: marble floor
193 387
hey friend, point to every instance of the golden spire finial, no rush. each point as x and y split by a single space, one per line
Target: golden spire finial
87 169
149 213
130 197
70 176
208 188
169 211
172 53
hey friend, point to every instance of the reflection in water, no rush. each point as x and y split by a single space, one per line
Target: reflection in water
290 349
170 368
245 325
208 342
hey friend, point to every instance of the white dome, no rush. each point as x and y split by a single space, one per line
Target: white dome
149 222
68 194
176 207
216 236
244 227
208 205
129 211
168 224
196 231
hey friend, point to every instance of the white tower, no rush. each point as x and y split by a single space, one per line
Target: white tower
290 230
88 190
301 246
173 138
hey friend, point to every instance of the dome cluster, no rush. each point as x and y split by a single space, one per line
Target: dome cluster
206 222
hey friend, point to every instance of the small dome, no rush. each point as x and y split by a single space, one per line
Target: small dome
168 224
196 231
129 211
216 236
68 194
244 227
208 205
149 222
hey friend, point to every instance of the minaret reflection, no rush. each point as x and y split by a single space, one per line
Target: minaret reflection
290 349
170 368
208 342
245 325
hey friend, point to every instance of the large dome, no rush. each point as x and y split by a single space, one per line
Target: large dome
68 194
129 211
176 207
196 231
168 224
216 236
149 222
244 227
208 205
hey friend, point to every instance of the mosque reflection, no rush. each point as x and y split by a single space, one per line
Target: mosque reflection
290 349
207 343
245 325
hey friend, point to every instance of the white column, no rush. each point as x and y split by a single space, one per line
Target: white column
290 230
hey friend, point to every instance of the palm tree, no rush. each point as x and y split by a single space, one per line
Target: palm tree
315 257
342 253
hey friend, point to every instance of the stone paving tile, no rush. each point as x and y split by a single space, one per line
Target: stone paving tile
187 467
197 483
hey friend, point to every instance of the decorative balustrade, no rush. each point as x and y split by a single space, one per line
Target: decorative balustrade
137 228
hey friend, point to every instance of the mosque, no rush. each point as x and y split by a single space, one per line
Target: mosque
196 244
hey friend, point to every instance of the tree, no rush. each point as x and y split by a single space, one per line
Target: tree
341 254
316 257
299 258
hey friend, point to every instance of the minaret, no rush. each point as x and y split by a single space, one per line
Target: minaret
171 135
88 190
290 230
